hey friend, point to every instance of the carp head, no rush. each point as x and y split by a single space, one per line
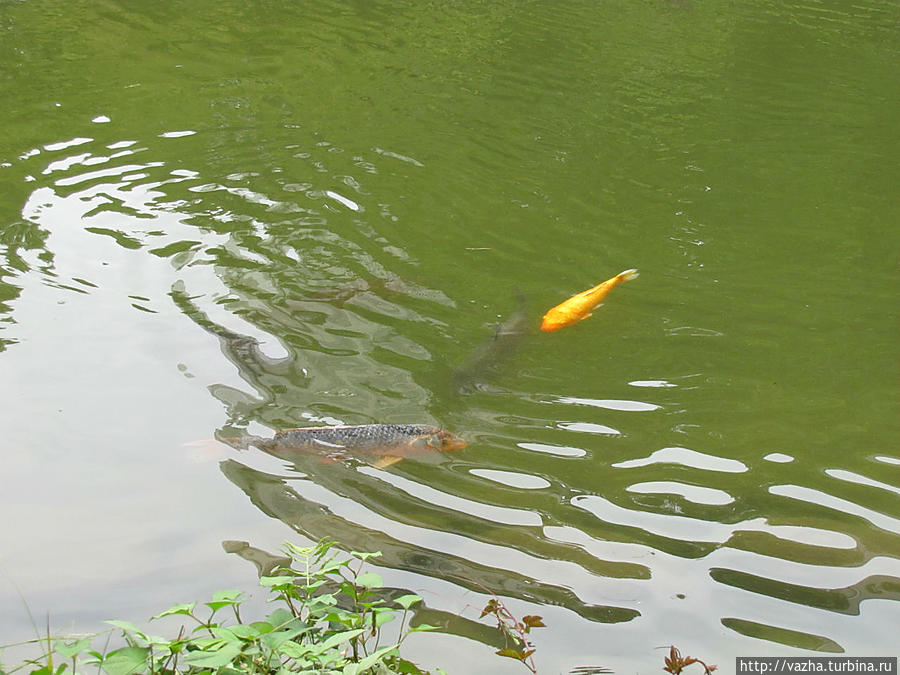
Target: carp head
444 441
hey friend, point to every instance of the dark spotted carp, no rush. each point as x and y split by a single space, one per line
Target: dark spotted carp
387 443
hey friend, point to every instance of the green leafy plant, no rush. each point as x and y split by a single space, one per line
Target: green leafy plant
329 624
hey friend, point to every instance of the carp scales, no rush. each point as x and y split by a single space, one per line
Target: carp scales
387 443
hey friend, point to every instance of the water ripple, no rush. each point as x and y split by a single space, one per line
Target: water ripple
512 478
609 404
496 514
666 525
820 498
559 450
589 428
319 294
693 493
852 477
686 457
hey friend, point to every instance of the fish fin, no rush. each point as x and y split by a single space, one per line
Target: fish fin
628 275
243 442
386 461
333 458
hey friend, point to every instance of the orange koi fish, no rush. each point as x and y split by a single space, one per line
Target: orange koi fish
579 306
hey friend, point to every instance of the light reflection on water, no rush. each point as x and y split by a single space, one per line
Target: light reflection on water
620 497
319 327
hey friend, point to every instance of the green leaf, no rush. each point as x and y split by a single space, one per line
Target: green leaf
334 640
348 588
423 627
298 552
262 627
322 604
69 650
295 650
276 581
207 644
382 616
280 617
407 601
369 580
185 608
224 599
404 667
97 657
237 632
273 641
126 661
374 657
213 659
365 556
157 640
315 583
126 626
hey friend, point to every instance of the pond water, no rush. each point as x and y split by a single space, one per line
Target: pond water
226 218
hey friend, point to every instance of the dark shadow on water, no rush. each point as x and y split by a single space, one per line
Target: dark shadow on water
274 496
267 563
487 359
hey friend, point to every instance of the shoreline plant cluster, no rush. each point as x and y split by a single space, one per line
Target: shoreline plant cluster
328 621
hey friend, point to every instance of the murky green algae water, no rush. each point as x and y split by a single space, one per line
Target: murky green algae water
225 217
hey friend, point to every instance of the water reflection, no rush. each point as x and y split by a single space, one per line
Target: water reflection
585 498
686 457
267 563
333 508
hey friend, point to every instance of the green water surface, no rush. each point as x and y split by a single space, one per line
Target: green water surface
220 218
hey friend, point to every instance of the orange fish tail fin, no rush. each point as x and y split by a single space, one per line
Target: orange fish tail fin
628 275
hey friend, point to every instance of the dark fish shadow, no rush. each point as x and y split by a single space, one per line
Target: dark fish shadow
486 362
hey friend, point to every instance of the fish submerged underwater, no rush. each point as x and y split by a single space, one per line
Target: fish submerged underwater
580 306
388 443
486 359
